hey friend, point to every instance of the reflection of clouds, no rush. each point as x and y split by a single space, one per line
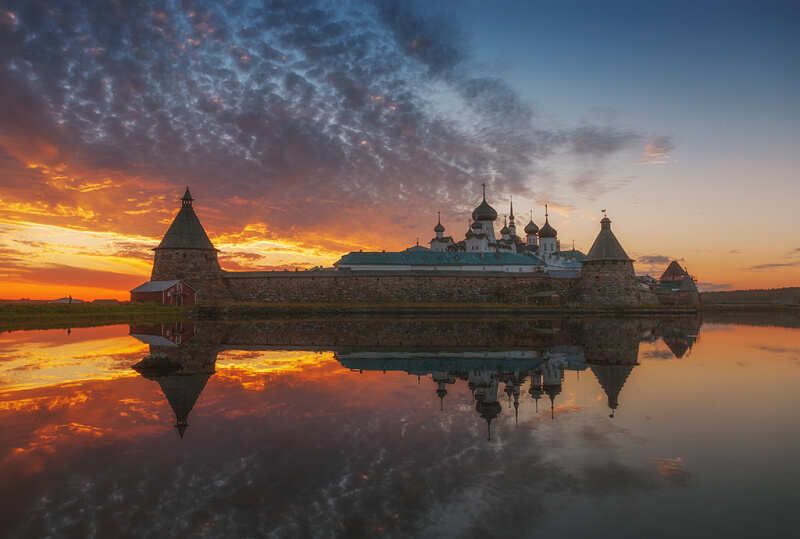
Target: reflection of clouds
45 362
777 349
673 470
46 438
49 402
362 454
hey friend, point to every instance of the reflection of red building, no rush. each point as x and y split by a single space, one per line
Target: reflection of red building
174 292
170 334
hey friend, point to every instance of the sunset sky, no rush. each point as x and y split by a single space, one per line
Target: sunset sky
309 129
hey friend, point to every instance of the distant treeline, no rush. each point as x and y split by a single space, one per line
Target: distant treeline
774 296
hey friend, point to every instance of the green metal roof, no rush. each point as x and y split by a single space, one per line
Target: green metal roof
572 254
435 258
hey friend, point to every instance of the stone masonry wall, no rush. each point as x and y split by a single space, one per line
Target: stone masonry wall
186 264
683 297
198 267
611 283
309 287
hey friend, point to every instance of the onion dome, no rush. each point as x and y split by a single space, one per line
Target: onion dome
484 212
547 231
439 227
531 227
505 231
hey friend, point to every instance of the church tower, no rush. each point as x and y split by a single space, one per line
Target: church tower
531 235
512 223
440 242
548 237
484 216
185 252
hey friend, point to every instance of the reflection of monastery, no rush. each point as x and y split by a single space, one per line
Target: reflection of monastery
526 366
484 267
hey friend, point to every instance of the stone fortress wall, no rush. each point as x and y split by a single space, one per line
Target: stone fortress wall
186 253
604 285
400 287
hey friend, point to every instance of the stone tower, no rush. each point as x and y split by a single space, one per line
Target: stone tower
607 276
185 252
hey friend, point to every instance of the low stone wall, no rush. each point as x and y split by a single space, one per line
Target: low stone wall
406 287
690 298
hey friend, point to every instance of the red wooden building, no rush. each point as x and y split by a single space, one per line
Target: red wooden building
174 292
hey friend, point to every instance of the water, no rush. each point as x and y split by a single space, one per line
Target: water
421 427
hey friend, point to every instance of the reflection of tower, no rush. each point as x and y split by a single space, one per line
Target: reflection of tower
611 348
182 392
512 390
488 411
680 335
182 373
486 398
612 378
442 379
536 387
551 382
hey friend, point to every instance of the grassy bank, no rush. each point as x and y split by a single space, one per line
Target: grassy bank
14 315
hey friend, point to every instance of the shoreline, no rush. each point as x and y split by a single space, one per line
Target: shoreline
16 316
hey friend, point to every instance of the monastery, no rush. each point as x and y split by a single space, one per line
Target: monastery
484 267
481 250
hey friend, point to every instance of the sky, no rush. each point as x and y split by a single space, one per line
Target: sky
310 129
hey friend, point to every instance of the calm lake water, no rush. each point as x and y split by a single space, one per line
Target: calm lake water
404 427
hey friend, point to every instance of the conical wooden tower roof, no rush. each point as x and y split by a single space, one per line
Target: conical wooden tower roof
674 272
186 232
606 246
